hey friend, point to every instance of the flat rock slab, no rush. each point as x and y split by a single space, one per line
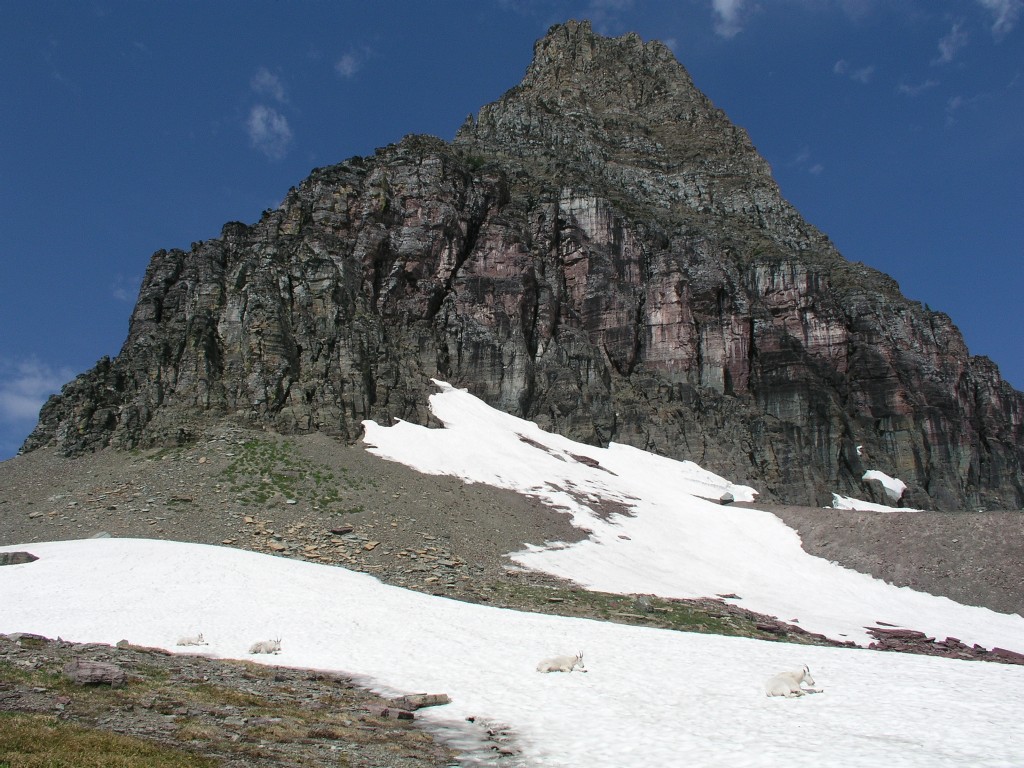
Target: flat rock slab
85 672
16 558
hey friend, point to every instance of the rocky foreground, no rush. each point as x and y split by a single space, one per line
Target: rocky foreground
239 714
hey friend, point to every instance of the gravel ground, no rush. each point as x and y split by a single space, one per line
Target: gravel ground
975 558
310 497
316 498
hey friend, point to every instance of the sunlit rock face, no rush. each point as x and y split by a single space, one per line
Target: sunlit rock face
600 251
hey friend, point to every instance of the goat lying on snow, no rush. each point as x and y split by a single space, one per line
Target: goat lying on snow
562 664
788 683
266 646
192 640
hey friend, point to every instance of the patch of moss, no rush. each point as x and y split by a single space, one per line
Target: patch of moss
39 741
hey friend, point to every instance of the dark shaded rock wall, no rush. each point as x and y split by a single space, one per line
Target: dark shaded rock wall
601 251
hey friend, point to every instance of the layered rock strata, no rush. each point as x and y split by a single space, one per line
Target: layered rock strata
600 251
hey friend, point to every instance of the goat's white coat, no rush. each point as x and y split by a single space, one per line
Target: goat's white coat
192 640
789 684
266 646
562 664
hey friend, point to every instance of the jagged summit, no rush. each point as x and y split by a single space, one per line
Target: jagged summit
592 100
599 100
600 251
623 118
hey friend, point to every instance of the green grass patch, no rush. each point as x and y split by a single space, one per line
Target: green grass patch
39 741
263 469
216 694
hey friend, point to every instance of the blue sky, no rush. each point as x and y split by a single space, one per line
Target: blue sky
895 126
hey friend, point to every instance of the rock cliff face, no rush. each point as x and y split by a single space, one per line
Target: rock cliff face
601 251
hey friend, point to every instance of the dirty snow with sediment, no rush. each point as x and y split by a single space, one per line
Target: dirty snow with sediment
851 504
650 697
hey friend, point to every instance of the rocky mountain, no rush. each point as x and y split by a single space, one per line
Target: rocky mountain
600 251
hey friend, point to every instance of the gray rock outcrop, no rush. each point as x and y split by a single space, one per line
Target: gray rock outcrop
600 251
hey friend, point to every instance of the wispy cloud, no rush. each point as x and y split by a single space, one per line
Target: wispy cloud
856 9
908 89
605 14
348 65
25 386
728 15
804 161
951 43
953 106
50 54
860 74
125 288
266 83
269 131
1005 14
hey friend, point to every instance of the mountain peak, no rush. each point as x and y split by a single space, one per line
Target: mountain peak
621 114
601 251
574 67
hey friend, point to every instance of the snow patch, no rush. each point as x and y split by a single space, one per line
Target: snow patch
668 539
857 505
894 488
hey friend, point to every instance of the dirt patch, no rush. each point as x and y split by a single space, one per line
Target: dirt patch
975 558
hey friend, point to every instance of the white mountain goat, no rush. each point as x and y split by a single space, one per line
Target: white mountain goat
192 640
266 646
788 683
562 664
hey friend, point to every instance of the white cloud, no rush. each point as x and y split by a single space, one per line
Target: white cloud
953 105
914 90
269 131
727 16
348 65
862 75
604 15
125 288
25 386
1005 14
857 9
951 43
266 83
804 161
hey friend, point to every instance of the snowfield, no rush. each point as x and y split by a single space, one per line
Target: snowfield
651 698
675 543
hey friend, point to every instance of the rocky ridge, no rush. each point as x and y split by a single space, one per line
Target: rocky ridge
600 251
